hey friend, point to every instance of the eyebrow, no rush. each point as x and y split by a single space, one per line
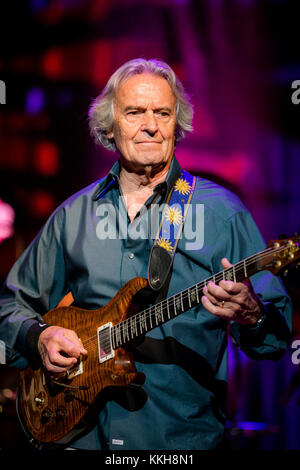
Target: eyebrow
141 108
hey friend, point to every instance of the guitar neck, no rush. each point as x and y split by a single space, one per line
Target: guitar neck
137 325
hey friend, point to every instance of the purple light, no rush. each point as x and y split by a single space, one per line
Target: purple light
36 5
35 101
251 426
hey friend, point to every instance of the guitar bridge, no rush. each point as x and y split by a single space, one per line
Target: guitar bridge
105 349
76 370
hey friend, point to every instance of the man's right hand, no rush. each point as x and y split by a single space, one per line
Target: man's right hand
60 349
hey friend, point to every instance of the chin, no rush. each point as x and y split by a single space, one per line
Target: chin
152 158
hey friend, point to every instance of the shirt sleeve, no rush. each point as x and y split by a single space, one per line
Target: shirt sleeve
269 340
35 285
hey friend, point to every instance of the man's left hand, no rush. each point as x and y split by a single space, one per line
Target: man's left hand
235 301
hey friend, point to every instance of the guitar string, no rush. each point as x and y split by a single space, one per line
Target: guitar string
150 312
120 338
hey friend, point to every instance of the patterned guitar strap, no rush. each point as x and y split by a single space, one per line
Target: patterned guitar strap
169 232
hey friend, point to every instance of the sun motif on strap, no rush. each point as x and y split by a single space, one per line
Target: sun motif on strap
182 186
165 244
173 215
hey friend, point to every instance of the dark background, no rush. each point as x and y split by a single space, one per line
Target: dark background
237 60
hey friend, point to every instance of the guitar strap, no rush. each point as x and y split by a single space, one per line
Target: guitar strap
160 265
169 232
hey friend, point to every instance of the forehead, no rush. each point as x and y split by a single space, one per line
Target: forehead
144 89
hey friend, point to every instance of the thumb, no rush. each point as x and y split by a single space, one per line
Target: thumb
225 263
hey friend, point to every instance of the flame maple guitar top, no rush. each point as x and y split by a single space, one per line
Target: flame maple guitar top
49 414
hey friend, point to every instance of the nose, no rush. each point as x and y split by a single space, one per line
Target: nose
149 124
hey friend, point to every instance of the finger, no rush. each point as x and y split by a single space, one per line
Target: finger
232 288
216 291
225 263
59 359
83 351
52 368
74 344
222 312
214 300
70 346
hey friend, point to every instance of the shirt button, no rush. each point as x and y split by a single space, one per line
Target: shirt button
131 255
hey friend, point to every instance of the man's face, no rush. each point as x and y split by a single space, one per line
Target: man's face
145 119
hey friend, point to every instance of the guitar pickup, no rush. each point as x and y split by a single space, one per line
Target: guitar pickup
105 349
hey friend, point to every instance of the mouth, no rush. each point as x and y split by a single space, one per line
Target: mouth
148 142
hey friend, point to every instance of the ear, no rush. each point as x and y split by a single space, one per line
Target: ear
110 134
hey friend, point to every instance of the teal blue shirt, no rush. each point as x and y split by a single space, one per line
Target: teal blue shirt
182 404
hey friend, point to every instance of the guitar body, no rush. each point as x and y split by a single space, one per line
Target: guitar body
57 409
50 410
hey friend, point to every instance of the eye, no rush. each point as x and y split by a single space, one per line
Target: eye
163 113
134 112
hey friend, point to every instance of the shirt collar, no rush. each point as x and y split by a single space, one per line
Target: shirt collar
112 179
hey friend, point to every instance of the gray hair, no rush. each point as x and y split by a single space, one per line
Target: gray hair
101 112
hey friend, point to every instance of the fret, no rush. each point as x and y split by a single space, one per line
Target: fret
150 316
234 276
158 314
189 298
252 269
143 322
135 326
174 305
125 330
131 326
118 335
168 309
182 307
197 294
245 269
178 303
162 313
123 339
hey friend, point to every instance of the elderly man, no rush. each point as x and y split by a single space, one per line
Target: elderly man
142 113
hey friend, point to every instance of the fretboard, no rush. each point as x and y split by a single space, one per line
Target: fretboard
137 325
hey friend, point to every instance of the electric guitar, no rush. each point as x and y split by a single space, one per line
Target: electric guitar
51 409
